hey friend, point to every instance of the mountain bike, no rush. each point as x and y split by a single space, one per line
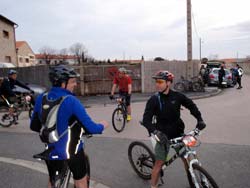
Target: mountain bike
119 116
9 113
61 178
142 160
196 84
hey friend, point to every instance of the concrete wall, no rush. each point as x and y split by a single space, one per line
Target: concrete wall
178 68
98 79
7 45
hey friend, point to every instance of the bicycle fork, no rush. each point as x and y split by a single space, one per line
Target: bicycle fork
191 169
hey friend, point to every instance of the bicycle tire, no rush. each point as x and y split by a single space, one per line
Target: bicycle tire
205 180
142 161
6 120
197 87
118 119
179 86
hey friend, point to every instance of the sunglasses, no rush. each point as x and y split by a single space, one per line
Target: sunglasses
160 81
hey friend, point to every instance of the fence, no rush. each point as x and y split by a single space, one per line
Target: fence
178 68
98 79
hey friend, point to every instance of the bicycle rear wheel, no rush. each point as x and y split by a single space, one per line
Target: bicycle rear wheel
119 119
197 87
141 159
6 119
203 178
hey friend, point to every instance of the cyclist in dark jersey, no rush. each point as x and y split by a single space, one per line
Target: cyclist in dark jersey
71 121
8 84
165 106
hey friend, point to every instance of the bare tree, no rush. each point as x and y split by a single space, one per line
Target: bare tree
79 50
47 52
63 54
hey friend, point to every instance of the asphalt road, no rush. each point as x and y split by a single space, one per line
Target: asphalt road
224 152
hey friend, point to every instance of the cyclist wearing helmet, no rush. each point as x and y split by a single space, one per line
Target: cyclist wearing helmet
124 82
8 84
61 119
165 105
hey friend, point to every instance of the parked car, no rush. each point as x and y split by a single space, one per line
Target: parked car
36 88
209 65
214 80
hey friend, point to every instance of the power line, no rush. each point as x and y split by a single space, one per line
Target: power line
195 28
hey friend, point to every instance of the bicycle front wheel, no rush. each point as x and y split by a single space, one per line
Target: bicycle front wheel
6 119
141 159
179 86
203 178
119 119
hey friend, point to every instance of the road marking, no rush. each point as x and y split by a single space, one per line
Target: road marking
41 168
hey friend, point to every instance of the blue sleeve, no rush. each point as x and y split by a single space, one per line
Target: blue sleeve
35 124
81 114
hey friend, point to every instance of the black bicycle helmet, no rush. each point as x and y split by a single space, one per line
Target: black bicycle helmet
12 71
164 75
60 74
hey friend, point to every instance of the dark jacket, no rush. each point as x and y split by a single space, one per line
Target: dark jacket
8 85
168 113
221 72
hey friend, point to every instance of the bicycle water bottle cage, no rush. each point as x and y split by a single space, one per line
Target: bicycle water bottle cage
49 133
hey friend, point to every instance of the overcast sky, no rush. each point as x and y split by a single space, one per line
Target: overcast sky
119 29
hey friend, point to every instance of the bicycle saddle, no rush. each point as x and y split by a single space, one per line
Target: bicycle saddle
44 155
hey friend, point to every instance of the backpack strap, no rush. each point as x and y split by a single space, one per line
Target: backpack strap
159 99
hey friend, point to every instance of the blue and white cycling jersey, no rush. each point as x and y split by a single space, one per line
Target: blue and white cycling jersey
70 110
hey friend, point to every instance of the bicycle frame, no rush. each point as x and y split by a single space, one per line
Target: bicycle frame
142 160
181 151
10 112
121 104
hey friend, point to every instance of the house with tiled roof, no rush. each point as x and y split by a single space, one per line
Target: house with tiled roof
25 55
7 41
53 59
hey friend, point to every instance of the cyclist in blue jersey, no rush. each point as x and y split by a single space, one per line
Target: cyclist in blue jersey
61 119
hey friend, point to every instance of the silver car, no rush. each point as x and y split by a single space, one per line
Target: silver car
214 80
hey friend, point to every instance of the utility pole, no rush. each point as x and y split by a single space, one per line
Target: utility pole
200 49
189 41
189 31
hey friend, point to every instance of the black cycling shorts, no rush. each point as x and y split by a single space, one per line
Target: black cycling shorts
127 97
76 163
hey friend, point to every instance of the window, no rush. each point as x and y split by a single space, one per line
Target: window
20 59
5 34
26 60
8 59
